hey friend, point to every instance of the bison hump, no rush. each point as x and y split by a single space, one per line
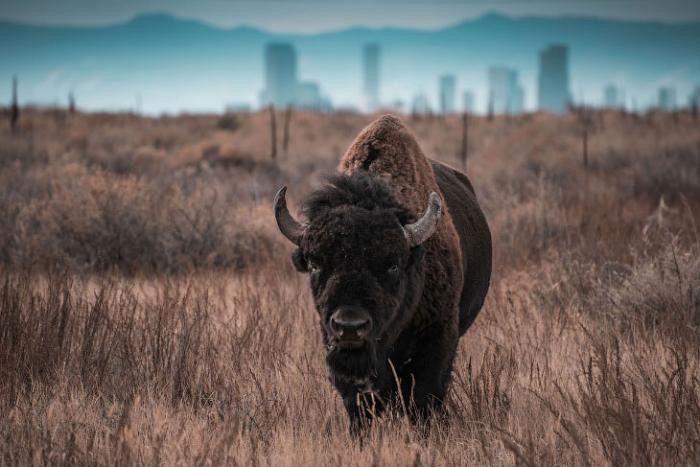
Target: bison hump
388 149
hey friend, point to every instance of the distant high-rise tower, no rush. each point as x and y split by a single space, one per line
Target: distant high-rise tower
506 95
370 64
281 82
420 104
308 96
553 84
613 97
667 98
695 97
448 93
610 97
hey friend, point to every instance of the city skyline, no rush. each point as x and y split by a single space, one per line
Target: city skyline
506 94
160 64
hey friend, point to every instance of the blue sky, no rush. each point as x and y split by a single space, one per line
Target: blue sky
322 15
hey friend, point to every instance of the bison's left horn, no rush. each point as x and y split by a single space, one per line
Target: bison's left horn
289 227
423 228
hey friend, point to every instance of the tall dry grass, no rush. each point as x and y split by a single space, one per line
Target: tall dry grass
149 315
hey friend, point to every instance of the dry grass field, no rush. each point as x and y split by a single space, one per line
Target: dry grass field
149 313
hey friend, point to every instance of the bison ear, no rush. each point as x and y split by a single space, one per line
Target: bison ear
417 254
299 261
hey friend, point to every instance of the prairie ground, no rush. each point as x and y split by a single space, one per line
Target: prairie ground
149 313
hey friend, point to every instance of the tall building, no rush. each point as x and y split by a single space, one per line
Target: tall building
506 96
695 97
281 82
553 80
517 101
308 96
667 98
420 104
448 93
611 97
370 67
468 102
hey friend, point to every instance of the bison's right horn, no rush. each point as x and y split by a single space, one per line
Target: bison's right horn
289 227
423 228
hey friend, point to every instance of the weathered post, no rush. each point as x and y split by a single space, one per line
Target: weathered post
273 133
465 139
585 146
71 102
14 110
285 135
491 109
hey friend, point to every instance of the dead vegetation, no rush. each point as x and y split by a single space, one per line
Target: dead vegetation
149 315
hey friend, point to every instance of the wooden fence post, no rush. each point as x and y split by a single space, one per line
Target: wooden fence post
273 133
585 147
465 139
71 102
285 136
14 110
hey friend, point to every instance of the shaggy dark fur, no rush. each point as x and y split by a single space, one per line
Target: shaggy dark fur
474 239
353 239
420 299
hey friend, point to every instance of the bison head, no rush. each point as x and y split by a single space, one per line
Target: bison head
363 252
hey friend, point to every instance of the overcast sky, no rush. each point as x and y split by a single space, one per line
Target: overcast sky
318 15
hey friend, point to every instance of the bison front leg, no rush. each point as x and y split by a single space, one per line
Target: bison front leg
425 378
362 408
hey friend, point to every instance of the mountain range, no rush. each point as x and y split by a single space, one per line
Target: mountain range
167 64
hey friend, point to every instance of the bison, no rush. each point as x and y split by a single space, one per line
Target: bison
399 257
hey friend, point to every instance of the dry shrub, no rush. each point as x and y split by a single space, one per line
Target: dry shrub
671 172
90 221
662 292
483 395
531 218
637 412
230 122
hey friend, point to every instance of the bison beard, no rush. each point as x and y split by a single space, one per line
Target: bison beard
354 368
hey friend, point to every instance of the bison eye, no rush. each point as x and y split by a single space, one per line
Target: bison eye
393 271
313 268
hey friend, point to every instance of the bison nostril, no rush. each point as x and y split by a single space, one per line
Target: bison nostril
350 325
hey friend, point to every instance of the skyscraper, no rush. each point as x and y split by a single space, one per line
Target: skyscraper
420 104
448 93
506 94
280 75
308 96
553 83
667 98
695 97
613 97
370 65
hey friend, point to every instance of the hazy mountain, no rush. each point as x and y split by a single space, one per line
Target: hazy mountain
175 64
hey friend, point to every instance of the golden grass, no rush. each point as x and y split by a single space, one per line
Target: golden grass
149 314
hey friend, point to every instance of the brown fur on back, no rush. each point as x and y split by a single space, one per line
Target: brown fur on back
387 148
